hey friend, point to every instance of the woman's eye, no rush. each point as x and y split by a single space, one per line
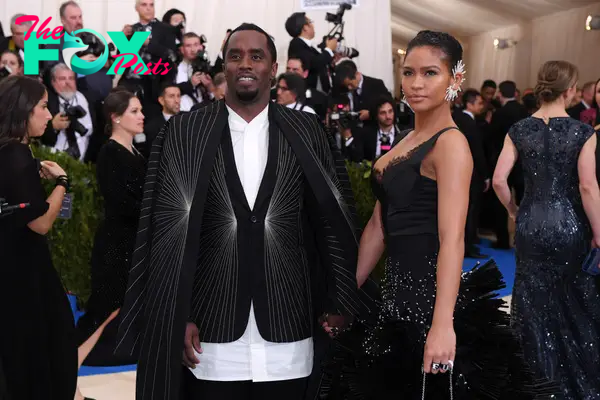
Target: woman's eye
407 73
430 73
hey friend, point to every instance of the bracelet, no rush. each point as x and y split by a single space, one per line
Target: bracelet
63 181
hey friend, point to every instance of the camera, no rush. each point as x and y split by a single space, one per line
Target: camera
339 15
74 113
95 46
344 118
338 32
201 63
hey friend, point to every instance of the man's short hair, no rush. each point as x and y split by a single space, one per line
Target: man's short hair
345 70
295 23
191 35
508 89
470 96
303 61
252 27
166 86
295 84
13 21
59 67
380 102
63 7
488 83
219 79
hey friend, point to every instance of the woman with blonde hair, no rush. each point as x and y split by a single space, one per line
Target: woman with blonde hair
555 303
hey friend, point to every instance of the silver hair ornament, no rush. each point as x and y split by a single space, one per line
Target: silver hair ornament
451 92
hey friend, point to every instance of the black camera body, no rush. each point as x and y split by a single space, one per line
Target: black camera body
4 72
337 18
201 63
344 118
74 113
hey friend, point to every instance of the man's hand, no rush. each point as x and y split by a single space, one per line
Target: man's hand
196 79
331 44
60 122
191 343
333 324
364 115
128 30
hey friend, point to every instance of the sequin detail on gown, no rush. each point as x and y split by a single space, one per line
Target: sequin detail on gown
381 357
555 306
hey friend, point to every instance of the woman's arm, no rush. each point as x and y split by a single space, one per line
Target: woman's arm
506 162
453 166
588 185
42 225
371 246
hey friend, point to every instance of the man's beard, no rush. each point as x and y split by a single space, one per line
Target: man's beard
247 97
68 96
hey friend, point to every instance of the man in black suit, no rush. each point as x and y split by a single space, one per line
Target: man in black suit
170 101
302 29
15 42
314 98
363 90
238 252
503 119
587 98
480 181
374 140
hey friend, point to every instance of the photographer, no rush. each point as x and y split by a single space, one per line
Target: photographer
363 90
193 73
342 125
374 140
302 29
72 124
160 46
37 339
10 64
176 19
291 89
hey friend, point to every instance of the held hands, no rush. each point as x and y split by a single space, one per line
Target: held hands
191 343
332 324
440 349
51 170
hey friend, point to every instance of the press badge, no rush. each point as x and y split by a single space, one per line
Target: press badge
66 209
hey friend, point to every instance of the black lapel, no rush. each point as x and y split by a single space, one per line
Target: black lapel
267 185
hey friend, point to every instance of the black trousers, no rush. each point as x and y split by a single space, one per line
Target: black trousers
196 389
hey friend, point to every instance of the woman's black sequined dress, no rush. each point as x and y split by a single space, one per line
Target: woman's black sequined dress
382 358
555 306
121 175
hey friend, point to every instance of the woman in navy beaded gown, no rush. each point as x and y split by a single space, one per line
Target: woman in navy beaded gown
555 305
439 334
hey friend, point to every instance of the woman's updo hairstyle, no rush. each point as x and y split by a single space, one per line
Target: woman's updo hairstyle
555 78
445 42
115 103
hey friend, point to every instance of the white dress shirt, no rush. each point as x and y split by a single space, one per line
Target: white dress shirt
82 141
251 357
184 74
301 107
469 113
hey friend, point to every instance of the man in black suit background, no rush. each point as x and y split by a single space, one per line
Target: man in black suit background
374 140
302 29
170 101
314 98
480 181
503 119
587 98
363 90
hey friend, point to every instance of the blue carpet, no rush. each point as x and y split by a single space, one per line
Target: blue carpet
505 259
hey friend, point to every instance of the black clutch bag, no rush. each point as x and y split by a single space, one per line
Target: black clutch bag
591 265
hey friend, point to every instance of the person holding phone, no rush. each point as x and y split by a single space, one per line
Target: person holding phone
37 346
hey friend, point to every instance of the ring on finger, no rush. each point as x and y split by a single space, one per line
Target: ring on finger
435 366
444 367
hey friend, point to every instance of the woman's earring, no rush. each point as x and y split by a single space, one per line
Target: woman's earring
452 90
118 121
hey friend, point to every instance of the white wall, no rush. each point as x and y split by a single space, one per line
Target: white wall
559 36
367 28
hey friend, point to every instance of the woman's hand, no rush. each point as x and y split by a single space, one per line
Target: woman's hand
51 170
440 348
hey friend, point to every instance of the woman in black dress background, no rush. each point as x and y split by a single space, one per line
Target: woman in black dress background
121 171
37 338
555 305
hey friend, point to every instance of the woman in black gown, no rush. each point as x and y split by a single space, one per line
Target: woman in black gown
38 350
121 171
555 305
430 339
